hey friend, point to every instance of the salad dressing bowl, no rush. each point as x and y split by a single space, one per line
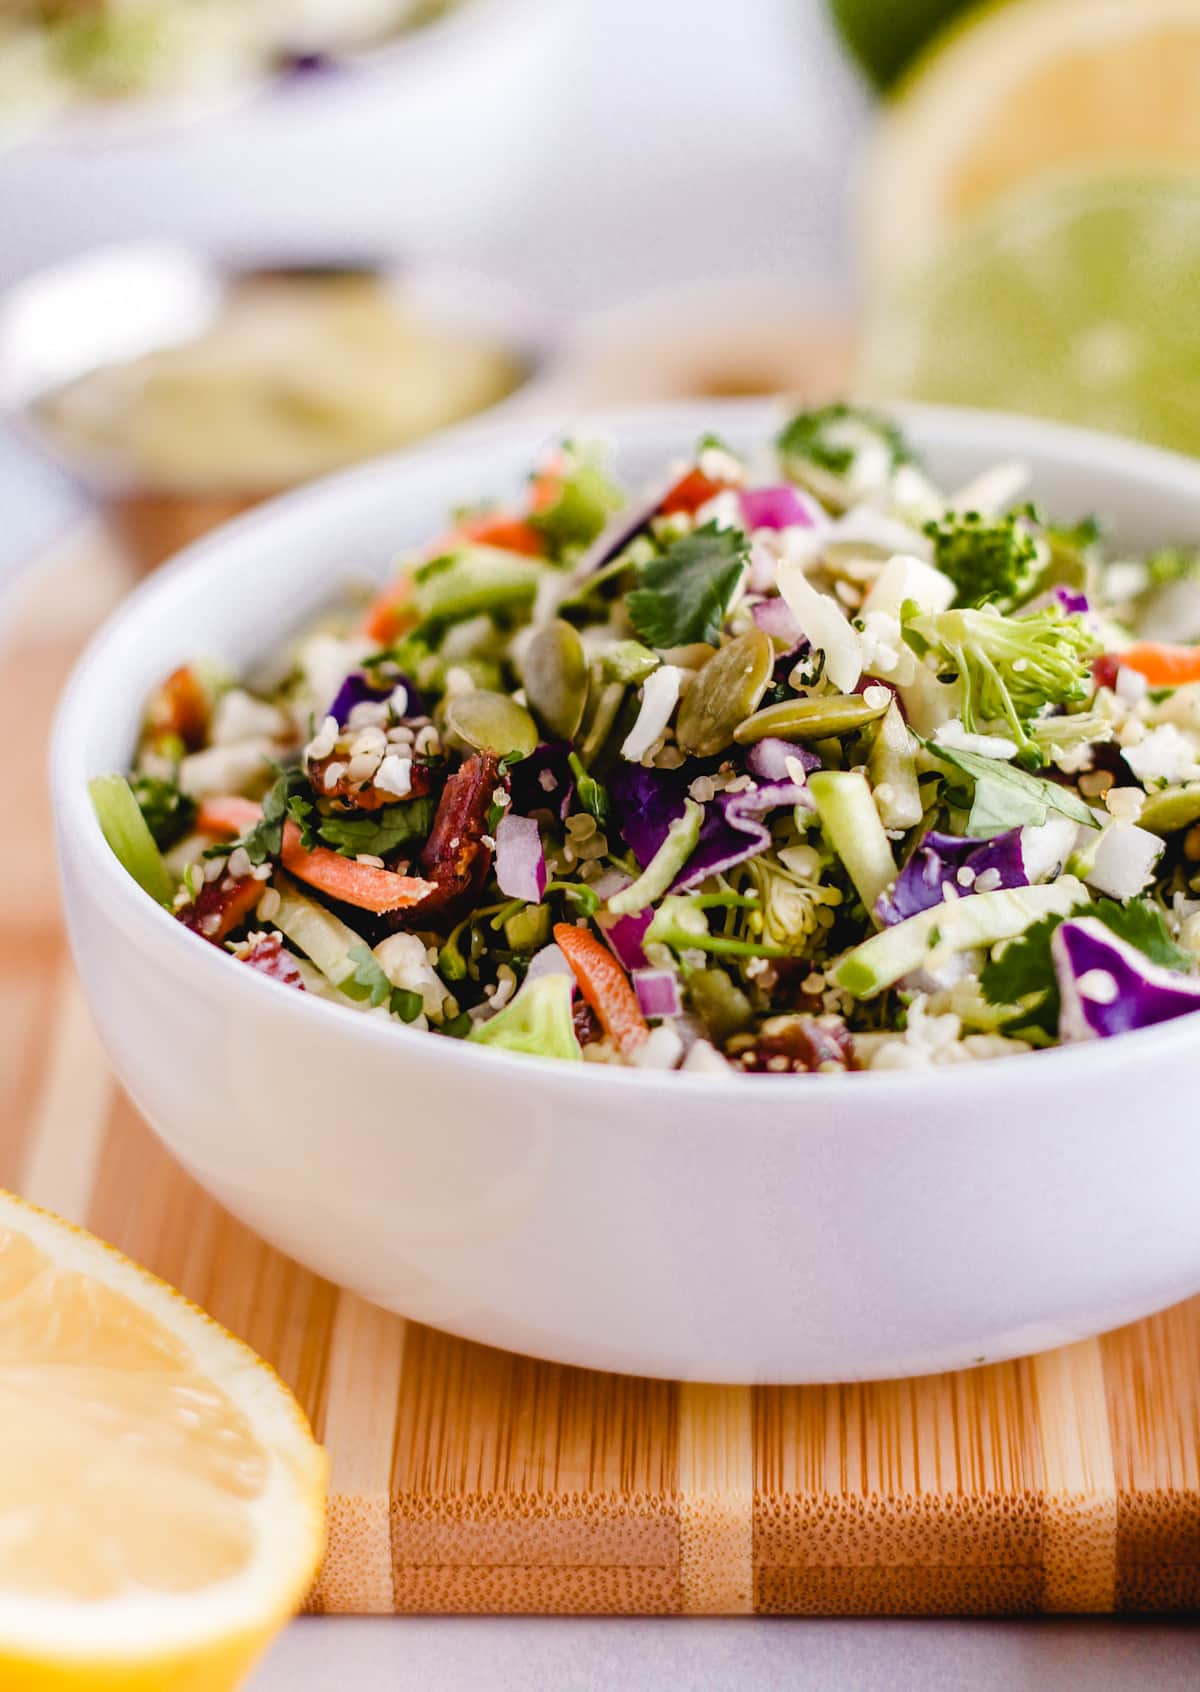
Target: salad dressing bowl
769 1228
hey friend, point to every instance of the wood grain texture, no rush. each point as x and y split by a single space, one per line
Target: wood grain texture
465 1479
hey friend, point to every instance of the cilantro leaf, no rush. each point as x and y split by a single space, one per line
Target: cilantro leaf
685 593
169 813
400 1001
1006 797
1023 971
378 832
1140 924
265 839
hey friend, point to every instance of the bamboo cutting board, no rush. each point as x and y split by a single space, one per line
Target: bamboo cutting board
464 1479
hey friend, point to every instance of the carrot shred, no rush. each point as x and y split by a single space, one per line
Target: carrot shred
363 885
392 614
690 493
1162 665
510 534
227 814
605 986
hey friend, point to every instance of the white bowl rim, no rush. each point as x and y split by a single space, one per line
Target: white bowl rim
74 816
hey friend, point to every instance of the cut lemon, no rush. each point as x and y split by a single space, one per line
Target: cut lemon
161 1496
1018 88
1074 300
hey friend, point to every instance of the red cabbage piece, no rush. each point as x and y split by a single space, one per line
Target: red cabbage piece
779 508
361 688
767 760
1073 602
1107 987
543 781
647 802
936 865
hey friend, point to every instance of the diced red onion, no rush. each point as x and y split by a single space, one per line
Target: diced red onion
520 861
657 992
782 507
776 618
768 759
550 960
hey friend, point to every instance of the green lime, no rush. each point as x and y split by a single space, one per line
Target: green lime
886 35
1076 298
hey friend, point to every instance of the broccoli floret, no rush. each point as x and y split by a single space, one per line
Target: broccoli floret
832 437
990 560
537 1020
169 813
1010 669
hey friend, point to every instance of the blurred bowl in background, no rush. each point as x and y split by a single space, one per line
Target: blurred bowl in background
723 339
422 138
180 389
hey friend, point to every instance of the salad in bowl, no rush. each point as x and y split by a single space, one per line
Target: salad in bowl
790 763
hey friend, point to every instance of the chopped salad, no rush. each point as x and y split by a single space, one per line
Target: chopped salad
791 767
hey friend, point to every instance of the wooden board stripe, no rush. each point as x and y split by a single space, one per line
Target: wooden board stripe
466 1479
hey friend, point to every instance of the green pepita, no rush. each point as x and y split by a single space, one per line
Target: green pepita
554 672
1171 809
604 703
724 693
813 718
490 722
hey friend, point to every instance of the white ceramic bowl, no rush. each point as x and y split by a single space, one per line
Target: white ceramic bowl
740 1229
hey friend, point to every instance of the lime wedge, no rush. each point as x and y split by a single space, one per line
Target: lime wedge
1014 89
1075 299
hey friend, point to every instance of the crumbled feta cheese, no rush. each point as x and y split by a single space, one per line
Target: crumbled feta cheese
1164 754
661 1050
225 769
1123 860
394 776
1131 685
705 1059
906 577
402 959
660 695
239 716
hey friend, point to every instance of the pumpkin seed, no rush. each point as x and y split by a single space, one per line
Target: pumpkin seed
491 722
604 703
1170 809
811 719
724 693
555 676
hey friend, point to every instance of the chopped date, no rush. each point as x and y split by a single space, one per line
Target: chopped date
270 957
364 795
221 906
180 708
795 1045
455 857
586 1022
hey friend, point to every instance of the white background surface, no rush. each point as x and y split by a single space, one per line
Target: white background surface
686 138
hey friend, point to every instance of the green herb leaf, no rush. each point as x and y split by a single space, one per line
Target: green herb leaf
1141 924
169 813
265 839
378 832
684 593
593 795
368 973
1006 797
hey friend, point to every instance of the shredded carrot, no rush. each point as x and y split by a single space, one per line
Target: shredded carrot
363 885
392 614
545 489
227 815
1161 664
510 534
690 493
604 984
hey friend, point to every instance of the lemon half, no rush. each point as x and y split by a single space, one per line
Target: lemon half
161 1495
